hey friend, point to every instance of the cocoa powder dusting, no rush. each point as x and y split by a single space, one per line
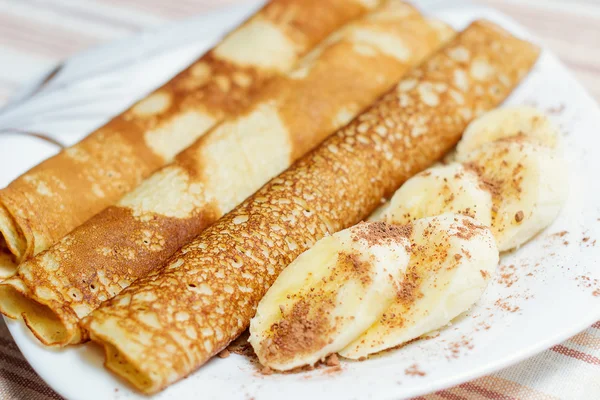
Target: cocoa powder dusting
376 233
356 266
507 275
409 288
589 283
332 360
298 332
414 370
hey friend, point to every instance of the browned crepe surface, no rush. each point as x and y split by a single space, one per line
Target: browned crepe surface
166 325
51 199
292 115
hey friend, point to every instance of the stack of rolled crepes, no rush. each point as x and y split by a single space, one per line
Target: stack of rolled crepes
167 324
293 114
47 202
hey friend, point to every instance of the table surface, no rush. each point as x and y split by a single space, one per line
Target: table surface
37 34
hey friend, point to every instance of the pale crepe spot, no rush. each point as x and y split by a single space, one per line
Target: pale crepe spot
201 72
505 80
405 100
368 3
149 318
444 31
43 189
168 192
181 131
461 80
387 44
459 54
77 154
481 70
391 11
240 219
419 127
49 262
182 316
428 94
407 84
465 113
44 293
242 79
276 51
440 87
154 104
97 190
300 73
81 310
344 116
364 50
223 83
238 150
457 97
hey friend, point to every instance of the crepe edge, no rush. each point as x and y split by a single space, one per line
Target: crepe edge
51 328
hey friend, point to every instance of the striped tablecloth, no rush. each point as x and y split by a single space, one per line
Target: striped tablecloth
36 34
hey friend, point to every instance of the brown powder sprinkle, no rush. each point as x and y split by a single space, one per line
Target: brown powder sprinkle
559 234
409 288
355 265
381 232
414 370
507 275
589 283
300 331
504 305
556 109
519 216
467 230
456 347
332 360
484 274
492 186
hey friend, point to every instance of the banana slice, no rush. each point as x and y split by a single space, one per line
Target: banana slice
507 122
439 190
528 183
329 295
453 257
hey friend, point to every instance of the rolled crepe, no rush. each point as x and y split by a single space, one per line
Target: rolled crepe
47 202
96 261
167 324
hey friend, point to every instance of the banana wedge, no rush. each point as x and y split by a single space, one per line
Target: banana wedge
528 183
329 295
452 259
508 122
439 190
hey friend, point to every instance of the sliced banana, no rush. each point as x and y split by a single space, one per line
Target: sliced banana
453 257
439 190
507 122
528 183
329 295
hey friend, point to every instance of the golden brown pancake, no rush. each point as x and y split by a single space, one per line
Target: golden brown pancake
167 324
48 201
294 113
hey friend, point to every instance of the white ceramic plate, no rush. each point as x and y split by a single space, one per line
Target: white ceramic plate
541 302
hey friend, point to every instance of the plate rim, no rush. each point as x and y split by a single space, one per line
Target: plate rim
19 334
